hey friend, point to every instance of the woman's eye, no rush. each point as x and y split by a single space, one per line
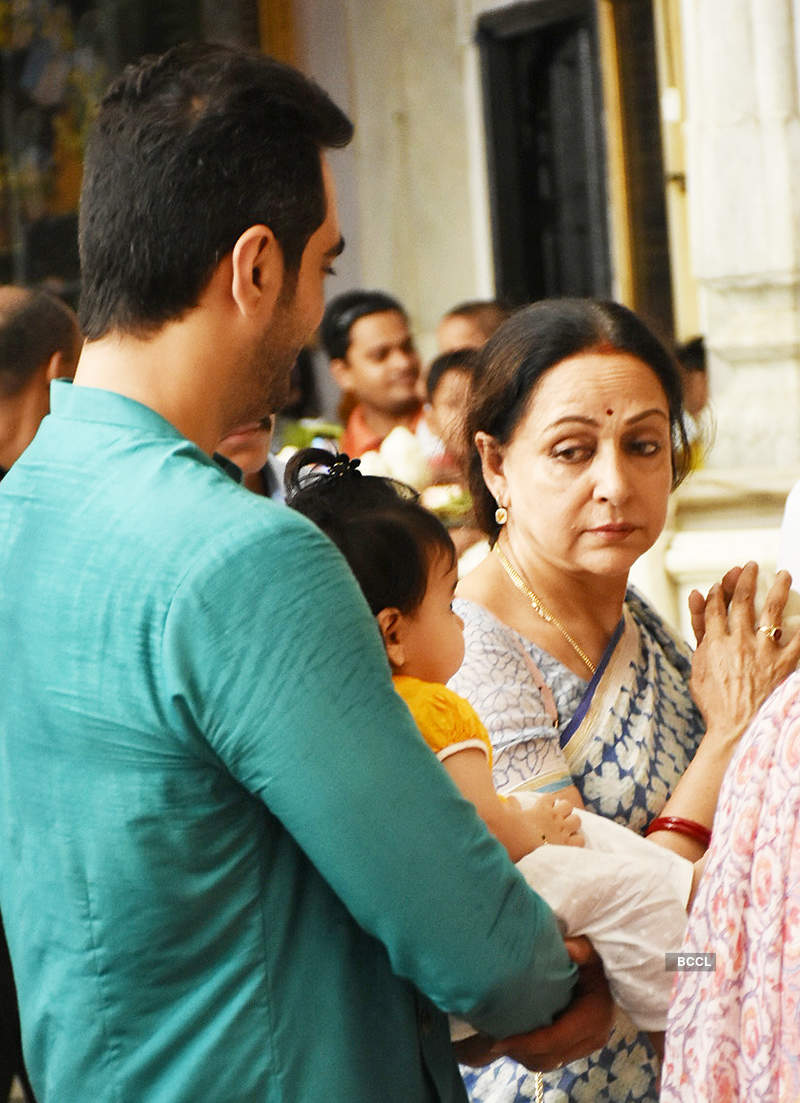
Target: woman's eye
646 447
572 453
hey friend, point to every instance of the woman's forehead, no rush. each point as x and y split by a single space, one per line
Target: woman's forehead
589 383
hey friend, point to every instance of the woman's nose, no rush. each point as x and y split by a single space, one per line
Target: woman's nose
612 483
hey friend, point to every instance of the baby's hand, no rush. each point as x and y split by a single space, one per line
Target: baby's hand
555 820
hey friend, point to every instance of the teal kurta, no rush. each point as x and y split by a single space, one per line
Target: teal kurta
230 865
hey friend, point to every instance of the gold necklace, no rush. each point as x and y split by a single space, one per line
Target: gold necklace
541 609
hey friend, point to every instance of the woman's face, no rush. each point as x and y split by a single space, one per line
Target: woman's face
587 474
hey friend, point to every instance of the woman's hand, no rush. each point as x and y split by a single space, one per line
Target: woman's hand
577 1032
737 665
734 670
697 603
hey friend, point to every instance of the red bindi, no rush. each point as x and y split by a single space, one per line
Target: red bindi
609 412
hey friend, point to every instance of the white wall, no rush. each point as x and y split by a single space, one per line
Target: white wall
412 187
323 53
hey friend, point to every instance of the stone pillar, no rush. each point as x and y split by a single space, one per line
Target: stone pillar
743 170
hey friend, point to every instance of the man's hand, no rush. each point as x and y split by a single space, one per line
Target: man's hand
577 1032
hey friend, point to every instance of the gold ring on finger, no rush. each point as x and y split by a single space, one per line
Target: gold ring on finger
774 631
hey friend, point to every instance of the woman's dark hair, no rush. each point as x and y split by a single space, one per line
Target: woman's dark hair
188 150
386 536
535 339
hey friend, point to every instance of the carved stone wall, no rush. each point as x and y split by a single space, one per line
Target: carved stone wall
744 160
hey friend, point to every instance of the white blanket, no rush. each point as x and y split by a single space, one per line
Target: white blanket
628 896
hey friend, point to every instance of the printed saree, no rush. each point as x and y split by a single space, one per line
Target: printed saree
734 1032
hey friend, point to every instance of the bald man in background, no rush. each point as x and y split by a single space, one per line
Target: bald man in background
39 342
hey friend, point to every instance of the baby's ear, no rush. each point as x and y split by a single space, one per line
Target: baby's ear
391 623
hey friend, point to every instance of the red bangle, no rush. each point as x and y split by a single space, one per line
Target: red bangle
689 828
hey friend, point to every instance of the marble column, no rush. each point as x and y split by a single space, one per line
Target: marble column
743 169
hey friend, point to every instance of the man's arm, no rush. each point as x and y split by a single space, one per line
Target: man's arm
298 703
580 1030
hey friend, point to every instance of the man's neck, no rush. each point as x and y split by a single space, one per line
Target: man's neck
381 423
172 372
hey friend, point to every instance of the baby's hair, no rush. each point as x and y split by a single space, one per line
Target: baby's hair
387 537
462 360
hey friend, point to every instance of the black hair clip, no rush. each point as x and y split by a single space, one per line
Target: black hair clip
343 467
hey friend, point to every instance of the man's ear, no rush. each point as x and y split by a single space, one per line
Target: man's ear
340 371
59 366
257 270
491 454
392 625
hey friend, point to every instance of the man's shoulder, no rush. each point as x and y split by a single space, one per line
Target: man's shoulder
161 503
206 509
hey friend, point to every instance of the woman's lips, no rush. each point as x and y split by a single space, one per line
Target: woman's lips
616 531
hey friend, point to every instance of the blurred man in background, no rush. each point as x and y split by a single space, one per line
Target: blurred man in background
39 342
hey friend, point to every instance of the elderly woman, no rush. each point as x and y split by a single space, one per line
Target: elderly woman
578 437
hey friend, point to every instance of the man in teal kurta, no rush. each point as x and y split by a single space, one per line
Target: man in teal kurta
231 869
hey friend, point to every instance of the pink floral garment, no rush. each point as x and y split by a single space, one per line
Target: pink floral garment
734 1034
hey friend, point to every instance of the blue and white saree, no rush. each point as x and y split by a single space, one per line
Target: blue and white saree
623 739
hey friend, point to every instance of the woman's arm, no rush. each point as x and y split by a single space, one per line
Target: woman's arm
519 830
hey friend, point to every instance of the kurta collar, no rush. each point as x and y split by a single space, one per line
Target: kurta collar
77 403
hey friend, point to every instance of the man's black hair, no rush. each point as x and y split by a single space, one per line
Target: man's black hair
33 327
189 149
462 360
387 537
343 311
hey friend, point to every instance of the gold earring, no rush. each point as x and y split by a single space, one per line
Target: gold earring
501 515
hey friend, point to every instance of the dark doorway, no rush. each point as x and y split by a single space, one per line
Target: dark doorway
546 153
644 163
545 145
